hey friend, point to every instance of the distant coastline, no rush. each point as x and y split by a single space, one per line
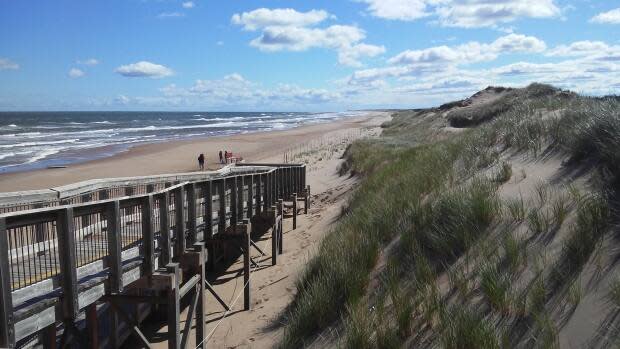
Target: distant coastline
38 140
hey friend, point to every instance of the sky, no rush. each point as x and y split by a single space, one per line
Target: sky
331 55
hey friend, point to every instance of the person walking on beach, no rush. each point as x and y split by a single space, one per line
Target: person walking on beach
201 161
221 158
226 156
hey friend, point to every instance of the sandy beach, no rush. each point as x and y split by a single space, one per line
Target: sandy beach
180 156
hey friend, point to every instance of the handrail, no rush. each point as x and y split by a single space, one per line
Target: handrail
57 194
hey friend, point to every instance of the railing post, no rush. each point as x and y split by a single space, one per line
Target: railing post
259 193
221 189
240 192
179 234
113 215
233 202
191 212
7 329
208 222
164 228
303 177
147 234
68 271
250 202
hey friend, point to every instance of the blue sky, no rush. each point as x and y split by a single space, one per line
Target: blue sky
297 55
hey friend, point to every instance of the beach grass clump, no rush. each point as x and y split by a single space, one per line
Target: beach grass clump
514 253
538 221
559 207
613 295
592 222
516 208
462 328
504 174
495 286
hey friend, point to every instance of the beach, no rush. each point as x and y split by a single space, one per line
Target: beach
181 155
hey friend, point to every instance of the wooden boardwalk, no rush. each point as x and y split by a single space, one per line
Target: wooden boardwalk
86 269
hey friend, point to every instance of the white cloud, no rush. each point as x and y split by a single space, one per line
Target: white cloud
405 10
289 30
463 13
7 64
281 17
582 48
188 4
609 17
165 15
470 52
76 73
90 61
235 90
144 69
489 13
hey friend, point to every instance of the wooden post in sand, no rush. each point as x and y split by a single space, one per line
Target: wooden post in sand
274 236
294 211
281 226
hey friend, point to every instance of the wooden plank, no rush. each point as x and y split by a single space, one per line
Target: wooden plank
7 330
114 247
147 234
66 244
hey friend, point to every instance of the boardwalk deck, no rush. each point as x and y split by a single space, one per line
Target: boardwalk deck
94 245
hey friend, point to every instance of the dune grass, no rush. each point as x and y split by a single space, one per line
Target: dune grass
426 190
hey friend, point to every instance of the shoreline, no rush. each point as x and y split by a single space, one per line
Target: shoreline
180 155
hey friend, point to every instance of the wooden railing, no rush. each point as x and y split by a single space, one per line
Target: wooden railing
63 249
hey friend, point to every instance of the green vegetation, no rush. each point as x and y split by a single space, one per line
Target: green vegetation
458 243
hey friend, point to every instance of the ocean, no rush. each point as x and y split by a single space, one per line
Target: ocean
33 140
